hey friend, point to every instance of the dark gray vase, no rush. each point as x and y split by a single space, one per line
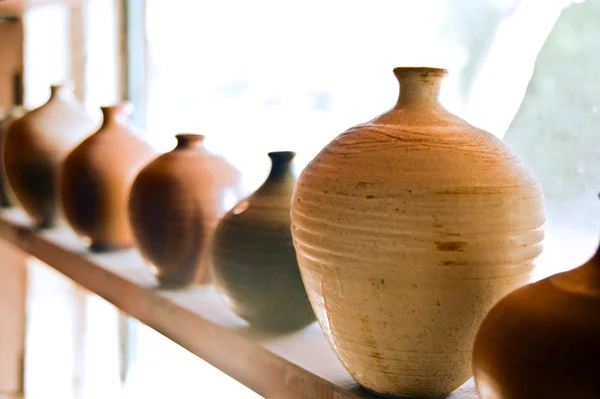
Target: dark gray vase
253 259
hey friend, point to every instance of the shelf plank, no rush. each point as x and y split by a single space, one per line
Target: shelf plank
292 365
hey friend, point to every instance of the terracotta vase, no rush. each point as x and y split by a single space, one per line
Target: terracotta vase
96 180
408 228
35 147
253 258
18 110
541 341
175 204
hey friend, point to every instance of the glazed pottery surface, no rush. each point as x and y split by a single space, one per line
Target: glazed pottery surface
175 204
35 147
541 341
6 194
408 228
96 180
253 259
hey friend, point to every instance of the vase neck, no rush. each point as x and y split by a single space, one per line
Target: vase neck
63 91
281 165
189 140
18 98
117 113
419 86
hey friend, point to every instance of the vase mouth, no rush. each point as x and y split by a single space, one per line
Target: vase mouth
186 140
401 72
66 85
190 136
281 155
123 108
119 112
65 90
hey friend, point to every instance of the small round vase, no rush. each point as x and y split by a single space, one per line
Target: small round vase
541 341
35 147
408 229
253 258
96 180
175 205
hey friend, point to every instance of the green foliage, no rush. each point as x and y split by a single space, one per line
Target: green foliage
472 23
557 128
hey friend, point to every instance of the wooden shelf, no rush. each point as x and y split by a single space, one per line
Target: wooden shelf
295 365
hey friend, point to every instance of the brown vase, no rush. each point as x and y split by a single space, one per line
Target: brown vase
6 194
35 147
96 180
541 341
175 204
408 228
253 259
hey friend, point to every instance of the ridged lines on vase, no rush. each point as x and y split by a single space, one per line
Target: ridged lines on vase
408 228
254 262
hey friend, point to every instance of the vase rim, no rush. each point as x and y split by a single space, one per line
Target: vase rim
408 70
66 85
189 140
281 156
190 136
279 153
122 107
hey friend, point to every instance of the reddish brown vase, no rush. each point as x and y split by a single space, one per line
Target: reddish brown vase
6 194
35 147
96 180
175 204
542 340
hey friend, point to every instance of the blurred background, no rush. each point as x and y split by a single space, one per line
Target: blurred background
264 75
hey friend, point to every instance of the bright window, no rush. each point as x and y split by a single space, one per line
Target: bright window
278 75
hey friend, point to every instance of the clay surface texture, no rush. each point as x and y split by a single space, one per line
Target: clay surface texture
541 341
96 179
175 205
253 258
408 229
35 147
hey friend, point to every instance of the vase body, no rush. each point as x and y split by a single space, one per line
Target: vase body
34 148
96 180
253 259
175 204
6 194
408 228
541 341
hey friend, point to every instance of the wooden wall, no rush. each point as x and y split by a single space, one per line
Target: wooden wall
11 58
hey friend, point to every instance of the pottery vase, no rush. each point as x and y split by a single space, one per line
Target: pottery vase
175 205
408 228
34 148
541 341
96 180
253 259
18 110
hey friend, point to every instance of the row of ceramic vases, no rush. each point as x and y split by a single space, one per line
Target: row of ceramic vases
404 231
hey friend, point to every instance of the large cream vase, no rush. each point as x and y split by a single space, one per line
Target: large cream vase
408 228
